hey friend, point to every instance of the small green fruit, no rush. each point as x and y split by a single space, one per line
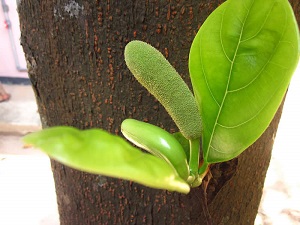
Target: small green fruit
158 76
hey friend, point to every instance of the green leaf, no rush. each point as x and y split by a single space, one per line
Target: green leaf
97 151
241 63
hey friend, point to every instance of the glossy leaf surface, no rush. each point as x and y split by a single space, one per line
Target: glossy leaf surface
158 142
241 63
97 151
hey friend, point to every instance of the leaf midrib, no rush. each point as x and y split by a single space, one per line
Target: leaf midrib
229 77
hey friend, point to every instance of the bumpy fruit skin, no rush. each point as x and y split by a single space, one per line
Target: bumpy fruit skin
158 76
158 142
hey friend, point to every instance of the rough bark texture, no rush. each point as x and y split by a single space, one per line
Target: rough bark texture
74 51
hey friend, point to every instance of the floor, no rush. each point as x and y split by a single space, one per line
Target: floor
27 190
27 193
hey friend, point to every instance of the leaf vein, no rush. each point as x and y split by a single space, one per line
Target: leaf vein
254 116
261 25
230 73
217 150
221 40
265 65
206 81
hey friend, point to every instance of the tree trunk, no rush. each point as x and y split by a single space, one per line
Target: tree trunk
74 51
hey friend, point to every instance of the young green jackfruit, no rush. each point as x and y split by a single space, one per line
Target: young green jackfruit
159 77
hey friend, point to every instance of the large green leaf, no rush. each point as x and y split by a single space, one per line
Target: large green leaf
97 151
241 63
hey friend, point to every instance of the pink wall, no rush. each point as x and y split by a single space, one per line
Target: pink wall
7 62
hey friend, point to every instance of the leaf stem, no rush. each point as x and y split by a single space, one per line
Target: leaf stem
203 168
194 156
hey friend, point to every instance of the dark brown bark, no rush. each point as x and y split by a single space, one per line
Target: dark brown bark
76 66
